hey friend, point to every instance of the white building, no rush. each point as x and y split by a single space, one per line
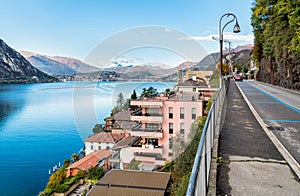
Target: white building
100 141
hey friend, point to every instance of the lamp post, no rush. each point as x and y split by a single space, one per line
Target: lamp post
236 29
229 53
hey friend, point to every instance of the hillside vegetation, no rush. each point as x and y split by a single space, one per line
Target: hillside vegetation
276 25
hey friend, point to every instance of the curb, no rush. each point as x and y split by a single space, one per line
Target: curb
294 165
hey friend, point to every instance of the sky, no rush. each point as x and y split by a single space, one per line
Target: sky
73 28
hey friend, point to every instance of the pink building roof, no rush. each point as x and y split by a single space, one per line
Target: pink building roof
105 137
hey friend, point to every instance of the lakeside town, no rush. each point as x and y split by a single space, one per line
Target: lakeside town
142 135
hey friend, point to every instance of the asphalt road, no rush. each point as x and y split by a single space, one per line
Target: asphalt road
280 111
248 162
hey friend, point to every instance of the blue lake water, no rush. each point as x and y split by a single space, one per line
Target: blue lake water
43 124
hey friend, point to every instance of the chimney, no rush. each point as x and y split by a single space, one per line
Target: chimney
179 76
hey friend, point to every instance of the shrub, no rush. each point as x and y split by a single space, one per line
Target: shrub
95 173
62 188
181 167
81 174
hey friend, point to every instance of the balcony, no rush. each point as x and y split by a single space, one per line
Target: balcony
153 158
115 158
153 102
153 133
147 149
148 117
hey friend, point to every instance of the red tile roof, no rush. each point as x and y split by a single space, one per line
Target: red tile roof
91 160
105 137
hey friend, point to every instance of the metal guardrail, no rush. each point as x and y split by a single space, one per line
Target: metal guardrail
198 182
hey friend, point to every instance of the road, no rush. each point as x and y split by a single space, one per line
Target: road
249 163
280 111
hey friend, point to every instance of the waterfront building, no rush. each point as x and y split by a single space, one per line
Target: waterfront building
98 158
100 141
165 117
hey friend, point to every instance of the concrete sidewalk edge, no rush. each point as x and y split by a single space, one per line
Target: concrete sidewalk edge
294 165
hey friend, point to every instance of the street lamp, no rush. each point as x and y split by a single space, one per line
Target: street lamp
229 53
236 29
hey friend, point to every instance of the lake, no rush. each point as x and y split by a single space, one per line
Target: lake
43 124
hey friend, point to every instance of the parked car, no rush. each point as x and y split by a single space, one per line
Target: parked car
238 77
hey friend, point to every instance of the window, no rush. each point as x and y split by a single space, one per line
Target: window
99 147
193 113
107 147
171 128
194 89
171 112
181 128
92 147
181 113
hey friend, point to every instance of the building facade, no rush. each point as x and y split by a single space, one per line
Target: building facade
102 141
161 119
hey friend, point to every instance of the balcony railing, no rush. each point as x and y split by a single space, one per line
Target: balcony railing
139 113
154 102
147 149
139 131
150 157
148 118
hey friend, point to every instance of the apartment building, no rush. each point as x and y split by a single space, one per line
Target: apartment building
162 118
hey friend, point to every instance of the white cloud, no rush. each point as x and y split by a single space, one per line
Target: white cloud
167 30
226 36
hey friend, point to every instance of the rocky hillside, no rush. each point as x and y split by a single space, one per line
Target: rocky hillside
277 42
242 58
56 65
14 68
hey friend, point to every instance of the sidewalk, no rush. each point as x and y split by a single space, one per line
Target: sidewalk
249 163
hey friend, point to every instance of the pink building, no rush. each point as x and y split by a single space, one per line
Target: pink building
161 118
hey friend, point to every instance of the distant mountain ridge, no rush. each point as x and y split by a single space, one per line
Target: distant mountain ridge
14 68
57 65
130 69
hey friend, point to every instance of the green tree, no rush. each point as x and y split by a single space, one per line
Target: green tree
97 128
133 95
144 93
67 163
225 68
119 104
81 174
120 101
95 173
150 92
277 41
75 157
56 179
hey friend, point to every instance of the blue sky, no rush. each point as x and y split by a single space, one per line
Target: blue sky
74 27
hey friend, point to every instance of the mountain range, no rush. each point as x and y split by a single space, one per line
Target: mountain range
56 65
14 68
124 70
25 66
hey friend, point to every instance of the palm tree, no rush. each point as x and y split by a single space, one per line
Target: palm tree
66 162
75 157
